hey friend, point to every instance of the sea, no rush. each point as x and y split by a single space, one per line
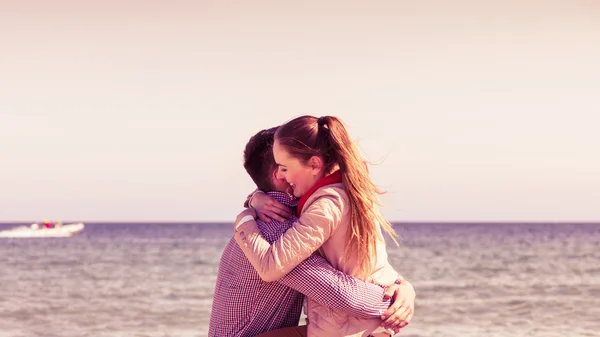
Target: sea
157 279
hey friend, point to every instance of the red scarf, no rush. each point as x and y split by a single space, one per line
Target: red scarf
335 177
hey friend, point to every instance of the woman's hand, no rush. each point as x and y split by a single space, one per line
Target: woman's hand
267 208
402 310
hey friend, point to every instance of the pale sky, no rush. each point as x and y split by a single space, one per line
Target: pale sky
130 111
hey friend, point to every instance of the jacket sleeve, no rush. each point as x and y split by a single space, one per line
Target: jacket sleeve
318 221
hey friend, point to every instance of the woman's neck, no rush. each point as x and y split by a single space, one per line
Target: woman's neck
333 178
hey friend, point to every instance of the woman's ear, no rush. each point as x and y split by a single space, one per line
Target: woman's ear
316 164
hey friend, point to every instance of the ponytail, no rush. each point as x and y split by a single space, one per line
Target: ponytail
363 194
327 137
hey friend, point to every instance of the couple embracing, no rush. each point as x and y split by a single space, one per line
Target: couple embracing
312 234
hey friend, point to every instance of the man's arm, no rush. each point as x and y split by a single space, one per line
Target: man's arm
316 278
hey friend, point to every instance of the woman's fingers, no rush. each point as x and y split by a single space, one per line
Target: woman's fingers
263 217
280 209
267 205
269 209
275 211
267 215
276 216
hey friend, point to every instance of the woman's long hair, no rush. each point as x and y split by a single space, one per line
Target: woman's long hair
327 138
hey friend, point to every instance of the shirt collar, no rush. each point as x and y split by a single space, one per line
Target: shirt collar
284 198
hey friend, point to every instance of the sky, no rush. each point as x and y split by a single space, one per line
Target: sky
139 110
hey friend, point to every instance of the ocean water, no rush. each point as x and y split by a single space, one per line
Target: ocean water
158 279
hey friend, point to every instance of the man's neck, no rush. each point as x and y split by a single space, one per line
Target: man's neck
284 198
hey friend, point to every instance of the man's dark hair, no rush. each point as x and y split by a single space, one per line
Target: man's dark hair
258 158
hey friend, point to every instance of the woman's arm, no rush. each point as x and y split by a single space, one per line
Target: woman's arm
267 208
307 234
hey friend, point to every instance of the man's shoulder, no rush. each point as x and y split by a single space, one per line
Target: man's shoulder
271 231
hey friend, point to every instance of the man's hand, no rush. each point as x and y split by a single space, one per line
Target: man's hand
268 209
402 310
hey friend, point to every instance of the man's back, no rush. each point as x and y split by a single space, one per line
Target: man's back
245 305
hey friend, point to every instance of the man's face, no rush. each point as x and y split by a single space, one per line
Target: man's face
279 184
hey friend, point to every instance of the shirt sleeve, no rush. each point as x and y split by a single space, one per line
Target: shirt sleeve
307 234
320 281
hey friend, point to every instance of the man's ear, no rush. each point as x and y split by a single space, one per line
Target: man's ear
316 164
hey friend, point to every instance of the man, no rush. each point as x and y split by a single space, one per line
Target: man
244 305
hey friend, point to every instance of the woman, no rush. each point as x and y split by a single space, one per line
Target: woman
337 215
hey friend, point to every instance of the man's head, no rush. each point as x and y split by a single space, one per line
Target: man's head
260 164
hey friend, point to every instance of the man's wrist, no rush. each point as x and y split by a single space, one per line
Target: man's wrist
399 279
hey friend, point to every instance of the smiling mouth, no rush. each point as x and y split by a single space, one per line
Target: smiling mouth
291 188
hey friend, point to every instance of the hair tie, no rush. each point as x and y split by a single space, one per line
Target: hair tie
321 121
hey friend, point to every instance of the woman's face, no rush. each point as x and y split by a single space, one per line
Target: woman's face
301 176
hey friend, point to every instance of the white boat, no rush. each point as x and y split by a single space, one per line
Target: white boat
35 231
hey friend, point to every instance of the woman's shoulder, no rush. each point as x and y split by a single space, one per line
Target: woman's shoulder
335 192
330 202
332 189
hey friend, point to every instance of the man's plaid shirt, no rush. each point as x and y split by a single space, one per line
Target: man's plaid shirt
245 305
